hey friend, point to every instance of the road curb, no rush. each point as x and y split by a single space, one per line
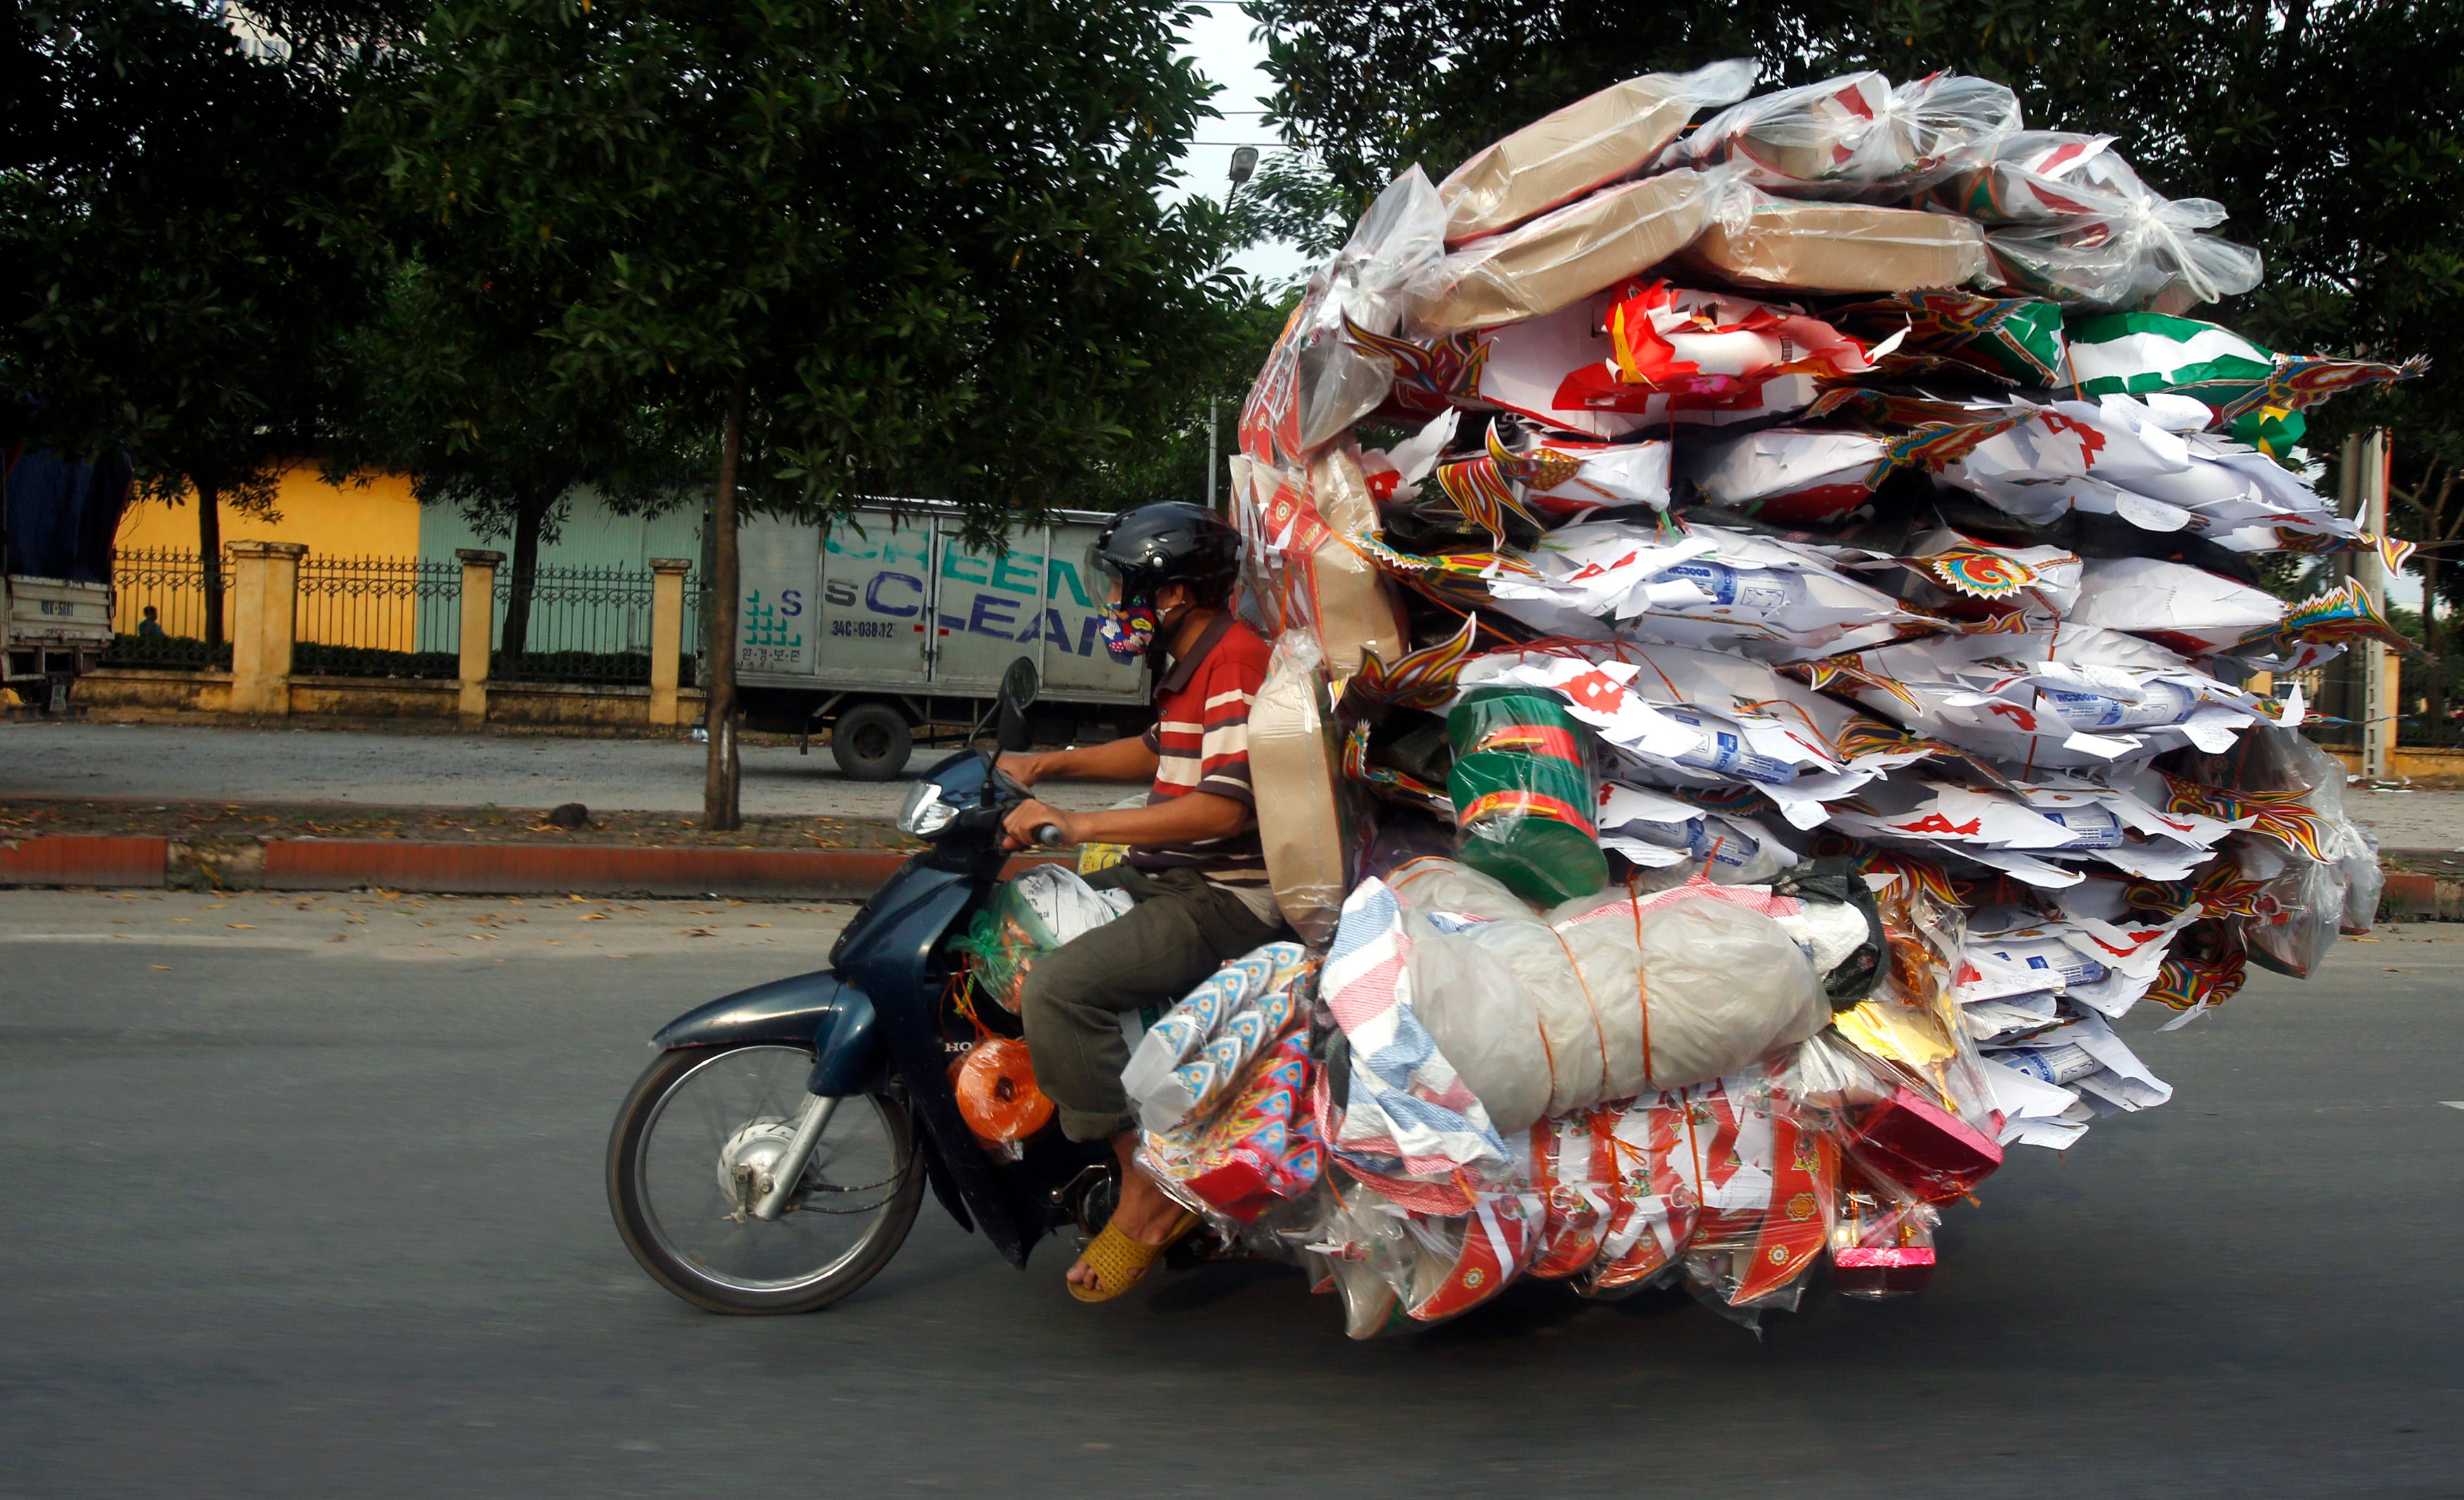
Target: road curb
85 859
473 869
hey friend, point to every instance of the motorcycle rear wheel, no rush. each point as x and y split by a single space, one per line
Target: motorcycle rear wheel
696 1109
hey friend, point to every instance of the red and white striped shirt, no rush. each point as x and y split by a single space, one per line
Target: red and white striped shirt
1201 734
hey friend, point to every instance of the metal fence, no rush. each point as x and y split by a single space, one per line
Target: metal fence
398 617
589 625
378 617
160 615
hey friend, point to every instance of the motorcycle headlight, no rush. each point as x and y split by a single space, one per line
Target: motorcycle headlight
925 814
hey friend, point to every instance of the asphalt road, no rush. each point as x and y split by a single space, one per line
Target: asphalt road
291 1217
183 762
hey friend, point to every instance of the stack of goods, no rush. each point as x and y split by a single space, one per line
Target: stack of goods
1764 614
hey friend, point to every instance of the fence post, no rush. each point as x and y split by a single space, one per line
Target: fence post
667 634
479 625
264 604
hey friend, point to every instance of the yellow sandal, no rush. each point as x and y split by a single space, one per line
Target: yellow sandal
1120 1263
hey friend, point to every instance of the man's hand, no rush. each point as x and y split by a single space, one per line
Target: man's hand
1017 830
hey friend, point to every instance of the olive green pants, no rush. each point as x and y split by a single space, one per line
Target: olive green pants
1183 928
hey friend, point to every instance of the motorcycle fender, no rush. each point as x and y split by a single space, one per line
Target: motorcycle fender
945 1187
820 1010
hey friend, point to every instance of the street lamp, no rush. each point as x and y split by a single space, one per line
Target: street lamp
1244 161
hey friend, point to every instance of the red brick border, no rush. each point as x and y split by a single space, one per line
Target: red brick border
555 869
84 859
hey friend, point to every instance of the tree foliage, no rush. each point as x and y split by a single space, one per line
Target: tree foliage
884 248
173 292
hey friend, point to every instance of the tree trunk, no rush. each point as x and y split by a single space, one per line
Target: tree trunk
530 517
720 807
210 557
2435 672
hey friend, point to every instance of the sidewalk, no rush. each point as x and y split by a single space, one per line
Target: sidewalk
215 808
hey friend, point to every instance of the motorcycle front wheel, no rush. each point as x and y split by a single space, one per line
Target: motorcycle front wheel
698 1128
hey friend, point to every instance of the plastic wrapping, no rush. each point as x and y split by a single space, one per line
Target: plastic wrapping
2080 227
1318 380
998 1097
1709 348
1356 609
1790 476
1190 1057
1589 144
1031 916
1258 1147
1855 135
1756 240
1562 256
1523 791
1294 762
1672 988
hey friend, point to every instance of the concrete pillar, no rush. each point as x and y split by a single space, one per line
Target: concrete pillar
667 634
265 603
478 626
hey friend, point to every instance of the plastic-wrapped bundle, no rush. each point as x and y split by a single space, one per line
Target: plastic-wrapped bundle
1562 256
1030 917
1395 1270
1705 586
1562 371
1629 994
1790 475
1188 1060
1676 716
2256 392
1292 754
1855 135
1318 380
1654 831
1258 1148
2021 830
1523 792
2061 697
1589 144
2080 227
1713 346
1756 240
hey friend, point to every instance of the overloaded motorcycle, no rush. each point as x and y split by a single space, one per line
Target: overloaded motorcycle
773 1156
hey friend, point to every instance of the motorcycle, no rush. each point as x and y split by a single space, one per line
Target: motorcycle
773 1156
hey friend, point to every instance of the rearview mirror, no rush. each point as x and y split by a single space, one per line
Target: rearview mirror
1018 685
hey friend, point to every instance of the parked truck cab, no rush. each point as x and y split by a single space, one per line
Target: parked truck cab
57 520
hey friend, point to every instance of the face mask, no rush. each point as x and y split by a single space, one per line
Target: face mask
1128 630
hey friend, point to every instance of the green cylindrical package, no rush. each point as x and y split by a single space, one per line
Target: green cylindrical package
1524 794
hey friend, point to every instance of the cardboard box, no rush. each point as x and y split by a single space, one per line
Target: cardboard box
1358 611
1589 144
1293 768
1763 242
1562 257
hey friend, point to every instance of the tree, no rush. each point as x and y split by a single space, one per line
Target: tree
876 247
166 202
454 386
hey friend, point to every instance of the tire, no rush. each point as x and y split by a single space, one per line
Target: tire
870 743
634 1203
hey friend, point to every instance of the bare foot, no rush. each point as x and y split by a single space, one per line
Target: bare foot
1145 1215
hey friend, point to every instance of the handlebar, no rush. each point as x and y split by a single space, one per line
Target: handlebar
1049 833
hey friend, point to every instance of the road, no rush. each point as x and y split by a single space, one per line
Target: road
288 1216
179 762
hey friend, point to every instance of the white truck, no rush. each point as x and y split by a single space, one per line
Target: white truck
57 520
885 627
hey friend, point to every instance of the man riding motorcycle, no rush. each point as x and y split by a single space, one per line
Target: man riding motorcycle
1195 869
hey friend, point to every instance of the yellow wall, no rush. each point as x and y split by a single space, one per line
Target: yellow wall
380 520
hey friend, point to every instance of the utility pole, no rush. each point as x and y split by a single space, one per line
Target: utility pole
2379 687
1244 163
1211 464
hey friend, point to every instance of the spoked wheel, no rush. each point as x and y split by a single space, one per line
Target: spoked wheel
692 1152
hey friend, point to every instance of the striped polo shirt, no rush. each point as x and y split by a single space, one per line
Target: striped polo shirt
1201 735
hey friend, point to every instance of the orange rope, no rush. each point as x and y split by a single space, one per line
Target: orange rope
1597 1030
1641 985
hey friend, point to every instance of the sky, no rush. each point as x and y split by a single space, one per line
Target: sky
1219 43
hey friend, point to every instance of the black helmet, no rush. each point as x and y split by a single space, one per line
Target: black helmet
1171 543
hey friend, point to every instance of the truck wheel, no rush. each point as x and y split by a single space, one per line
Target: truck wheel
870 743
